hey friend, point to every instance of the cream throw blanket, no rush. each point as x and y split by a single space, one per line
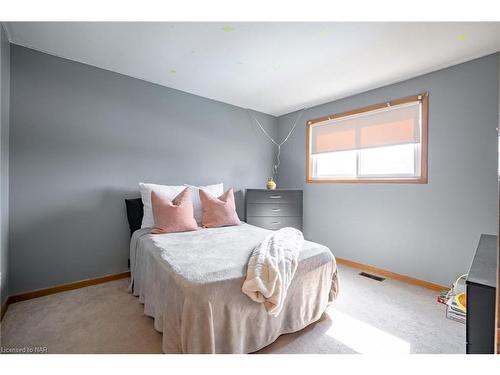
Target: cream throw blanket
271 268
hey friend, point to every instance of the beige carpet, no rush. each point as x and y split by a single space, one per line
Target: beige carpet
368 317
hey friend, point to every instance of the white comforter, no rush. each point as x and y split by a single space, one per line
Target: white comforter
271 268
190 283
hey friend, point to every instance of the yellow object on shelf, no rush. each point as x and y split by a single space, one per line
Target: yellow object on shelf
461 301
271 185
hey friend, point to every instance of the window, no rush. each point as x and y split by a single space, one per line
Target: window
385 142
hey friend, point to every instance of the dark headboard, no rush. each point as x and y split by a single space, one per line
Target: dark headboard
135 211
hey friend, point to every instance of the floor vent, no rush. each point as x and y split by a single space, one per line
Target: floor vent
370 276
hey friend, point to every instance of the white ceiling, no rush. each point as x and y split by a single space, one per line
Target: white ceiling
274 67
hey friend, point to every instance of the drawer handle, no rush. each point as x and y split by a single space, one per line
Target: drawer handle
274 196
276 209
275 222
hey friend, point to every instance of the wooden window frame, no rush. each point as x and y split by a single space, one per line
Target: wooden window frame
422 179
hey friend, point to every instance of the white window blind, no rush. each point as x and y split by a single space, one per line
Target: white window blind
384 143
390 126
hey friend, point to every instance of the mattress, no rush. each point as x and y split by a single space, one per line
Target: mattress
190 283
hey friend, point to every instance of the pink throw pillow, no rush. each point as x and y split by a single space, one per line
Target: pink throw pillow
218 212
173 216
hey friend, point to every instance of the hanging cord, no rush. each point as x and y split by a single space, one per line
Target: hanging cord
278 145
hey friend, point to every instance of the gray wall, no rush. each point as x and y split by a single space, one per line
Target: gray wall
426 231
4 161
81 140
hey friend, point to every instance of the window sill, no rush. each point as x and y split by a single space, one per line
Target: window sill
420 180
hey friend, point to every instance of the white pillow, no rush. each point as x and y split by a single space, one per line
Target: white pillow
216 190
169 191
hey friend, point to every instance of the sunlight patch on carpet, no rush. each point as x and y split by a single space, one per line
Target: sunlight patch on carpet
364 338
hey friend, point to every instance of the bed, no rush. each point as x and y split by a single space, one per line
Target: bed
190 284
